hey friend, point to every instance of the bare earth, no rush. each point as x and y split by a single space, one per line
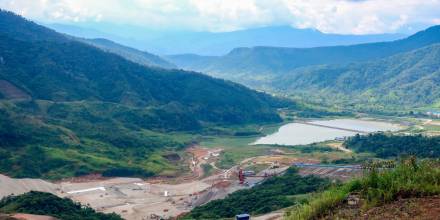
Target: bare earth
19 186
137 199
427 208
134 198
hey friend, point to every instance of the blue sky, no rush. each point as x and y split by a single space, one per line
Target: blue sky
330 16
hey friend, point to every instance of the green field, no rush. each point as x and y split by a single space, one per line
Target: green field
236 149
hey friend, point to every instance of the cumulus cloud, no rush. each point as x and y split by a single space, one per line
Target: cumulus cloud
331 16
359 17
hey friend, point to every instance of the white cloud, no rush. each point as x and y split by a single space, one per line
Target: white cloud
360 17
333 16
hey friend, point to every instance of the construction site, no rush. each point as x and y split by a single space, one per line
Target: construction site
164 198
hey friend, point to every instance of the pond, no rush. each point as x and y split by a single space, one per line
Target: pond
323 130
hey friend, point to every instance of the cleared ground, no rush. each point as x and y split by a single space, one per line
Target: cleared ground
10 186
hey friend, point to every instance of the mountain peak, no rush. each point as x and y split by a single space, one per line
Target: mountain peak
18 27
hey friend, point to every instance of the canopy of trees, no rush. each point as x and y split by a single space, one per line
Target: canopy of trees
40 203
384 146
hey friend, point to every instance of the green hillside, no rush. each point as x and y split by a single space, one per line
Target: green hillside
407 80
68 108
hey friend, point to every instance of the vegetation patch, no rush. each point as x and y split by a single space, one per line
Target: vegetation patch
386 146
207 169
40 203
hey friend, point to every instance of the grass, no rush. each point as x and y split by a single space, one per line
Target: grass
238 148
408 179
235 148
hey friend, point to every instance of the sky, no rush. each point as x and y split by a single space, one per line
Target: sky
329 16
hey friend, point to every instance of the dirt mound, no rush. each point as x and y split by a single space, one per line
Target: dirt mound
405 209
415 208
10 186
222 184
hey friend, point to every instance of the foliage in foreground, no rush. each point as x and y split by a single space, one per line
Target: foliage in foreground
41 203
385 146
408 179
273 194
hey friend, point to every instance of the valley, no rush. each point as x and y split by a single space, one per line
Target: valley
170 196
272 122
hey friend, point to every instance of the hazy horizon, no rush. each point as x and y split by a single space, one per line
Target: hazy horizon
335 16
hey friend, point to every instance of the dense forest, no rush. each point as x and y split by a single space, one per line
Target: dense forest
273 194
68 108
40 203
386 146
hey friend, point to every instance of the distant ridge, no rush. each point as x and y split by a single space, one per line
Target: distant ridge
248 65
137 56
404 80
218 43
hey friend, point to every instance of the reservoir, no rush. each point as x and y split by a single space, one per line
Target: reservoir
299 133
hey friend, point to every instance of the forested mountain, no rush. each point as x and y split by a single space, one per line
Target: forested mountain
215 43
137 56
406 79
68 108
254 65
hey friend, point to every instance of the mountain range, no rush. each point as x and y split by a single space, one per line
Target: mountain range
404 80
216 43
301 70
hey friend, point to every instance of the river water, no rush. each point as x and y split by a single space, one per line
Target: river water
300 134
